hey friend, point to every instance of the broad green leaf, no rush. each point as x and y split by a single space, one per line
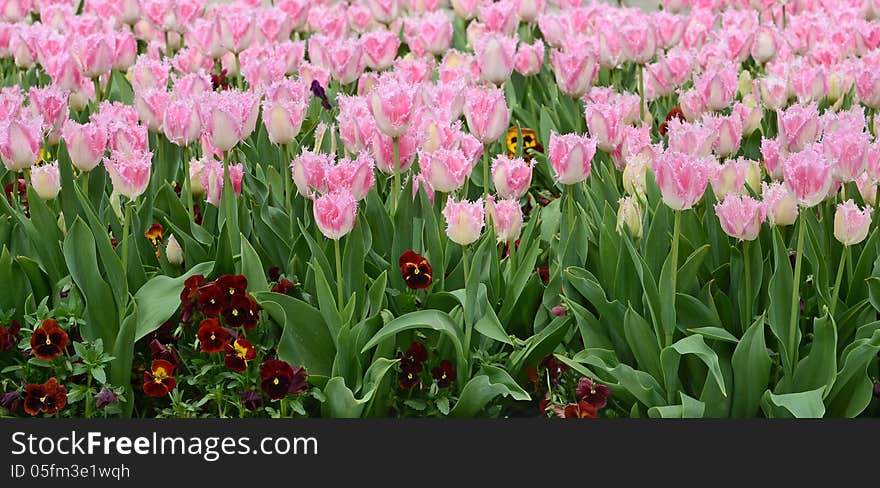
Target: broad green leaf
252 267
751 371
805 404
853 387
490 383
671 356
819 368
341 401
305 338
159 298
715 333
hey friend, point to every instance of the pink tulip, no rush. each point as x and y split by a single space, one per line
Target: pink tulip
773 154
346 61
297 11
692 105
507 218
445 169
352 175
638 38
528 10
147 73
798 126
691 138
431 33
260 66
774 92
512 176
85 144
571 157
283 119
50 103
466 9
212 177
236 25
380 48
867 188
273 25
359 17
750 113
810 83
873 157
181 123
129 172
95 54
765 45
851 224
309 172
575 69
382 147
228 117
20 141
335 213
392 104
717 88
868 86
498 16
46 180
529 58
150 105
847 150
14 10
191 86
728 134
605 123
730 178
414 71
669 28
780 204
23 44
464 220
809 175
682 178
495 56
554 28
486 112
205 36
740 217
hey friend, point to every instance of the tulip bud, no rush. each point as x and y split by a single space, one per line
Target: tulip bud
629 215
507 219
335 214
464 220
740 217
46 180
634 175
173 251
851 224
780 204
571 157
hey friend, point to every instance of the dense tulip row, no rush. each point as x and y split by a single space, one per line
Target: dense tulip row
563 209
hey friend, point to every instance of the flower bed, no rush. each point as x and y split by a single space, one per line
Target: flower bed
424 209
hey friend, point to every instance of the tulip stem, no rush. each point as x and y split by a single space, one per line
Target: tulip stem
395 188
85 183
238 73
126 230
747 265
97 81
641 69
673 255
485 173
187 185
837 281
795 294
339 291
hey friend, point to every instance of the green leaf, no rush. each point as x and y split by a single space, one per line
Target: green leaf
159 298
805 404
538 346
643 343
490 383
491 327
780 289
252 267
689 408
853 387
715 333
341 402
305 338
671 356
751 371
819 368
423 319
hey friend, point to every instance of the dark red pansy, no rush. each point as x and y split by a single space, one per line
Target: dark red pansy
211 299
544 273
283 286
232 284
238 354
251 400
417 353
160 351
49 340
159 380
592 392
48 398
9 336
212 336
252 314
11 401
275 378
416 270
410 374
236 311
274 273
579 410
444 374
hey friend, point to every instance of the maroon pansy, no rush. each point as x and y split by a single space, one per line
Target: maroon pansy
444 374
580 410
238 354
416 270
211 299
410 374
417 353
9 336
48 398
49 340
212 336
276 378
159 380
592 392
